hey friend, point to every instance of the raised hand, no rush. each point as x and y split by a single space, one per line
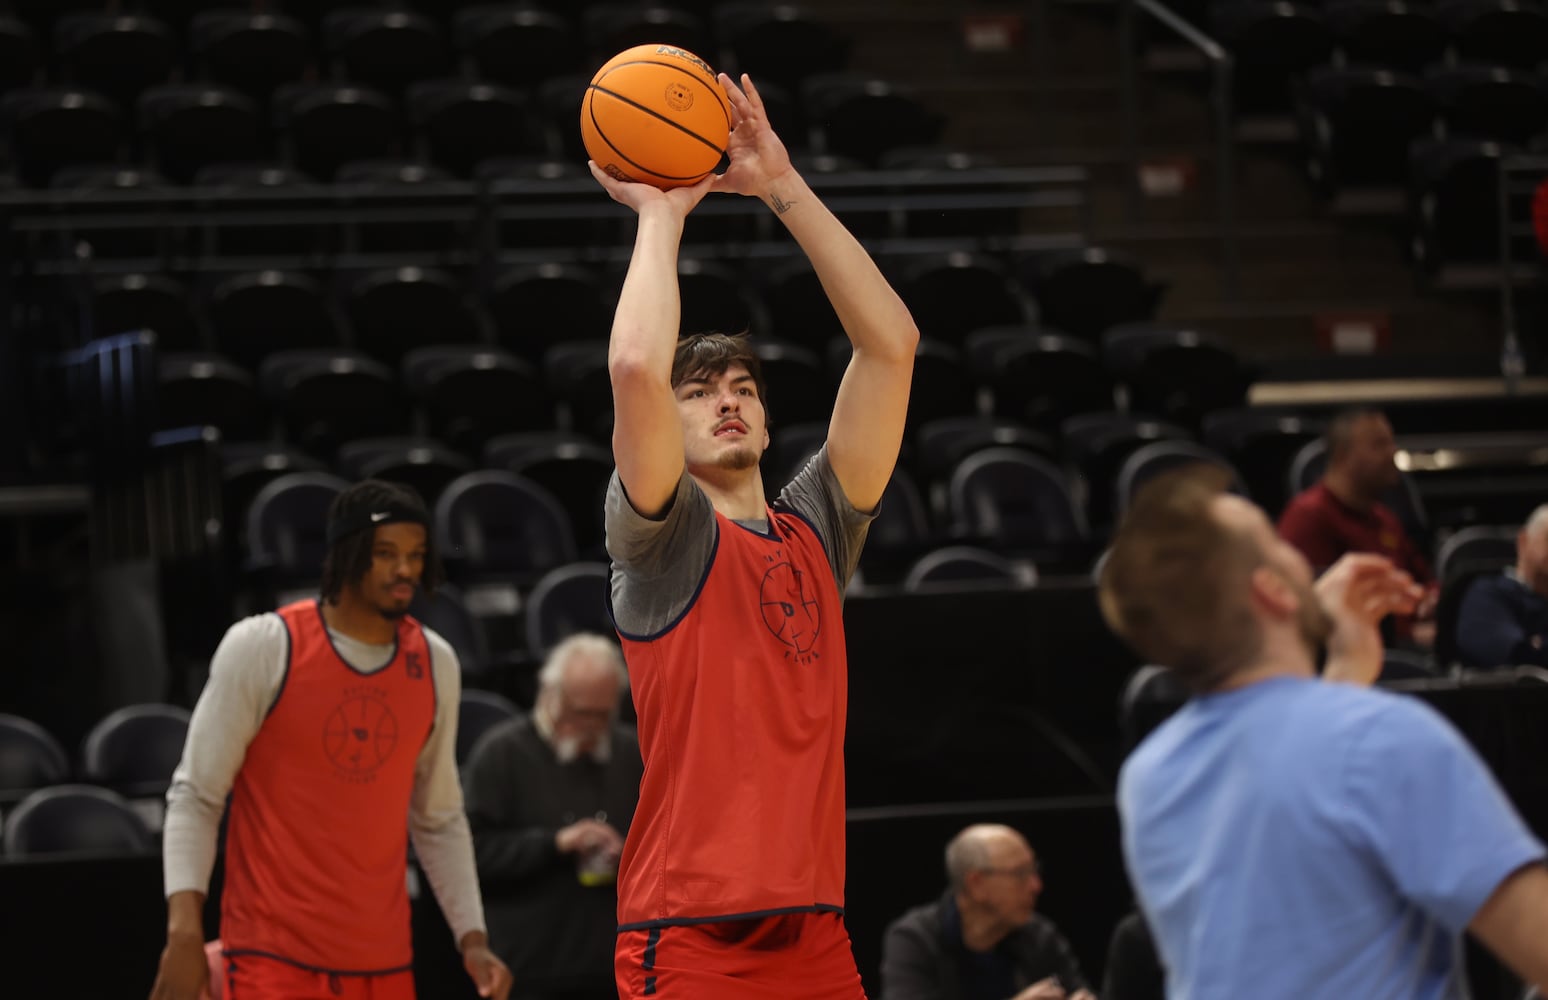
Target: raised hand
758 157
1357 592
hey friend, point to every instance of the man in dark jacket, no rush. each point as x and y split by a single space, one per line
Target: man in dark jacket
549 799
981 940
1503 620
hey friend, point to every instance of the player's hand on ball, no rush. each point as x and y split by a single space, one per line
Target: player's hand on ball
757 154
489 974
640 196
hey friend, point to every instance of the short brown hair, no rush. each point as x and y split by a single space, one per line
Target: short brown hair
1340 433
1173 581
712 353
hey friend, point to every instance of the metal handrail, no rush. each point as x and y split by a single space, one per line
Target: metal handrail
1222 68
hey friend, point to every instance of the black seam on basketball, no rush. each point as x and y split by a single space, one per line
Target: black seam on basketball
654 114
591 109
720 99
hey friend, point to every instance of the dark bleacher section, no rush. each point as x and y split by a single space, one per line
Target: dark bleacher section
257 250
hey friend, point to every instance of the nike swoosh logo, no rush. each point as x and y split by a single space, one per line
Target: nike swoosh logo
381 516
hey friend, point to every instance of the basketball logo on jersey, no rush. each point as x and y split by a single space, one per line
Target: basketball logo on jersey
789 609
360 734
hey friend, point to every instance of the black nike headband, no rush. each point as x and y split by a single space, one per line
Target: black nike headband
389 513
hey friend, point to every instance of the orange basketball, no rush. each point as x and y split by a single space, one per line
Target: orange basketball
656 114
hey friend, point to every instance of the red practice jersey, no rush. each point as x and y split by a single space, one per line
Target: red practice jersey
317 843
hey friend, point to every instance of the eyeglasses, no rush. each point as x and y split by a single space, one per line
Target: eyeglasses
1021 872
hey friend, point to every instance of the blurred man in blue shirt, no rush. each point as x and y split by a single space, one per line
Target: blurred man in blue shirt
1291 837
1503 620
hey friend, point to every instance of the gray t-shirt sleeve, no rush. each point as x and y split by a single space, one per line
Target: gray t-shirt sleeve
816 495
245 677
657 564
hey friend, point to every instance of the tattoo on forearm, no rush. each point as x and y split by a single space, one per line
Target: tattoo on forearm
780 205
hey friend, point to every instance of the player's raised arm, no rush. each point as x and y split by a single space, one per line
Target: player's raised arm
867 425
647 430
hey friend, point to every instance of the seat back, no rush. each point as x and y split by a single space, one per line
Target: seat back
135 749
478 712
565 601
68 819
30 757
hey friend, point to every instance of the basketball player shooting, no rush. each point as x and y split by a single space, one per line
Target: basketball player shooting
729 608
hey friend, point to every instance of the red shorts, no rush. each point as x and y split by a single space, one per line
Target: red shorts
254 977
803 955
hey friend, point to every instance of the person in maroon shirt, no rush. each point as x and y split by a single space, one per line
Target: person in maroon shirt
1343 512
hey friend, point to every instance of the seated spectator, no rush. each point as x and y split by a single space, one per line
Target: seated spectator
981 940
1503 620
549 799
1344 513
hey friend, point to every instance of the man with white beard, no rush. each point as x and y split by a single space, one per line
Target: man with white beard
549 799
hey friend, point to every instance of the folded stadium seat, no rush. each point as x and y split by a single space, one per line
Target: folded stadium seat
1306 469
191 125
567 600
478 712
1038 376
323 125
863 117
1260 444
932 167
1151 460
799 309
135 749
1357 125
460 123
287 535
1491 543
957 567
207 390
1176 373
384 48
942 386
251 191
529 167
613 27
397 186
116 54
498 534
470 393
1394 34
1096 444
791 446
54 127
939 445
1271 43
573 469
901 532
446 612
778 42
1509 32
953 294
30 758
246 468
577 376
75 819
256 313
20 56
423 463
255 52
1490 102
716 299
124 302
394 310
558 109
1455 210
535 306
149 240
326 397
1087 290
515 44
313 13
1018 503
